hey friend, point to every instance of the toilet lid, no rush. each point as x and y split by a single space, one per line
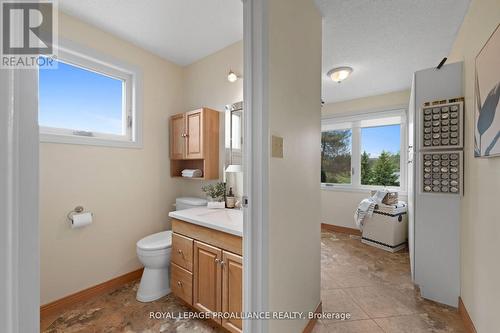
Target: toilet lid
158 241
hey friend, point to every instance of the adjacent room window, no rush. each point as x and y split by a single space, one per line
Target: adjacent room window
336 149
88 100
364 151
380 155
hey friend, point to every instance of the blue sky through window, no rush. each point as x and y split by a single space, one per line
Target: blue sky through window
376 139
78 99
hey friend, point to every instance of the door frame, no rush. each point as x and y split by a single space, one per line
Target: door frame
19 234
255 163
19 168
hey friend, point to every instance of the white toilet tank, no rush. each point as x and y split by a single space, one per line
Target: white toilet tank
189 202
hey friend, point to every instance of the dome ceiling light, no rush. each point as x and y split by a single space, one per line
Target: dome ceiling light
339 74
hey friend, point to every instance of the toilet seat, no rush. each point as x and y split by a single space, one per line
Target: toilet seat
155 242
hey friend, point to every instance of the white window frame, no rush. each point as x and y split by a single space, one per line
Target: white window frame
91 60
355 122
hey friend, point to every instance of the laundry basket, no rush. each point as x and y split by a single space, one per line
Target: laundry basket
387 228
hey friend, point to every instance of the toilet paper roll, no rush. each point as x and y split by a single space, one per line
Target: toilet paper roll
81 220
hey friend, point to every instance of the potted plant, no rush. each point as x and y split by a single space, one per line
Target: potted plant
216 195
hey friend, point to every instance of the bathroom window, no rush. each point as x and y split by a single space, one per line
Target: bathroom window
364 151
89 99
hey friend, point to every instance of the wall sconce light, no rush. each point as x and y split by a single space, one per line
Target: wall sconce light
232 76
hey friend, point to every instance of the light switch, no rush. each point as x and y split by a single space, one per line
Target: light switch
276 146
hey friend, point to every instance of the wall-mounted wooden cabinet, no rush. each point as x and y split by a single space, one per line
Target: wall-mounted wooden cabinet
194 142
207 271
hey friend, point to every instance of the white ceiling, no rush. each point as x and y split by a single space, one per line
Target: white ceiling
385 41
182 31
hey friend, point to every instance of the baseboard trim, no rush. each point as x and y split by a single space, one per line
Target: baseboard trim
462 310
86 294
343 230
310 325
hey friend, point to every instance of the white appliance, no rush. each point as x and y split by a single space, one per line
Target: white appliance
154 252
189 202
387 228
434 209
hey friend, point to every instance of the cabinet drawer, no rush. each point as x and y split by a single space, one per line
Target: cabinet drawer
181 283
182 251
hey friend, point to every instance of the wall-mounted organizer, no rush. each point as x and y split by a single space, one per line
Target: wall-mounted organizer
433 207
441 143
442 125
442 172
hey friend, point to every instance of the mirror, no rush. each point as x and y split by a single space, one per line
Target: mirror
234 136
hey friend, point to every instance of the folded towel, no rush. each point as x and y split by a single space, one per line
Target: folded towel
366 207
190 173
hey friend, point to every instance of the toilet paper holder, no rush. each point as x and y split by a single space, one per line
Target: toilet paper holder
76 210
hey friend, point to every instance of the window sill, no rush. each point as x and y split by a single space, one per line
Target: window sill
363 189
88 141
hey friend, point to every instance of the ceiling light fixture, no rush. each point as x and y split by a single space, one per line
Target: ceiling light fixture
232 77
340 73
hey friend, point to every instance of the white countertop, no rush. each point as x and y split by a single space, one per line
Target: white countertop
225 220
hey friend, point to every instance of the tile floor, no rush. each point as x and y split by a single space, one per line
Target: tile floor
119 311
372 285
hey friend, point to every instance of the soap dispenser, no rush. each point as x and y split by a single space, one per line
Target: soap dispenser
230 199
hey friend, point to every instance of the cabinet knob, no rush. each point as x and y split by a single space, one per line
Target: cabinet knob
222 263
179 251
217 260
179 283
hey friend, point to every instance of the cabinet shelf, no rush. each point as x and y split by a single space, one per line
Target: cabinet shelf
193 178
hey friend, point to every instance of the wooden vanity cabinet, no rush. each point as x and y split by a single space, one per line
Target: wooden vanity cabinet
182 251
177 131
201 260
181 283
232 290
207 278
194 142
194 133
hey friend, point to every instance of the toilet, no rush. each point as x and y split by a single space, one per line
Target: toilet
154 253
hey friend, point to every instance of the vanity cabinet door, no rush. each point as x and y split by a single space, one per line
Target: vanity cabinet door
232 290
194 132
207 280
177 136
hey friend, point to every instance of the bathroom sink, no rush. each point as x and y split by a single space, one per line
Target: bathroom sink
226 220
223 213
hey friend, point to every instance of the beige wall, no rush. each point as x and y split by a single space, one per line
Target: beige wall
480 230
337 207
129 190
294 95
206 84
